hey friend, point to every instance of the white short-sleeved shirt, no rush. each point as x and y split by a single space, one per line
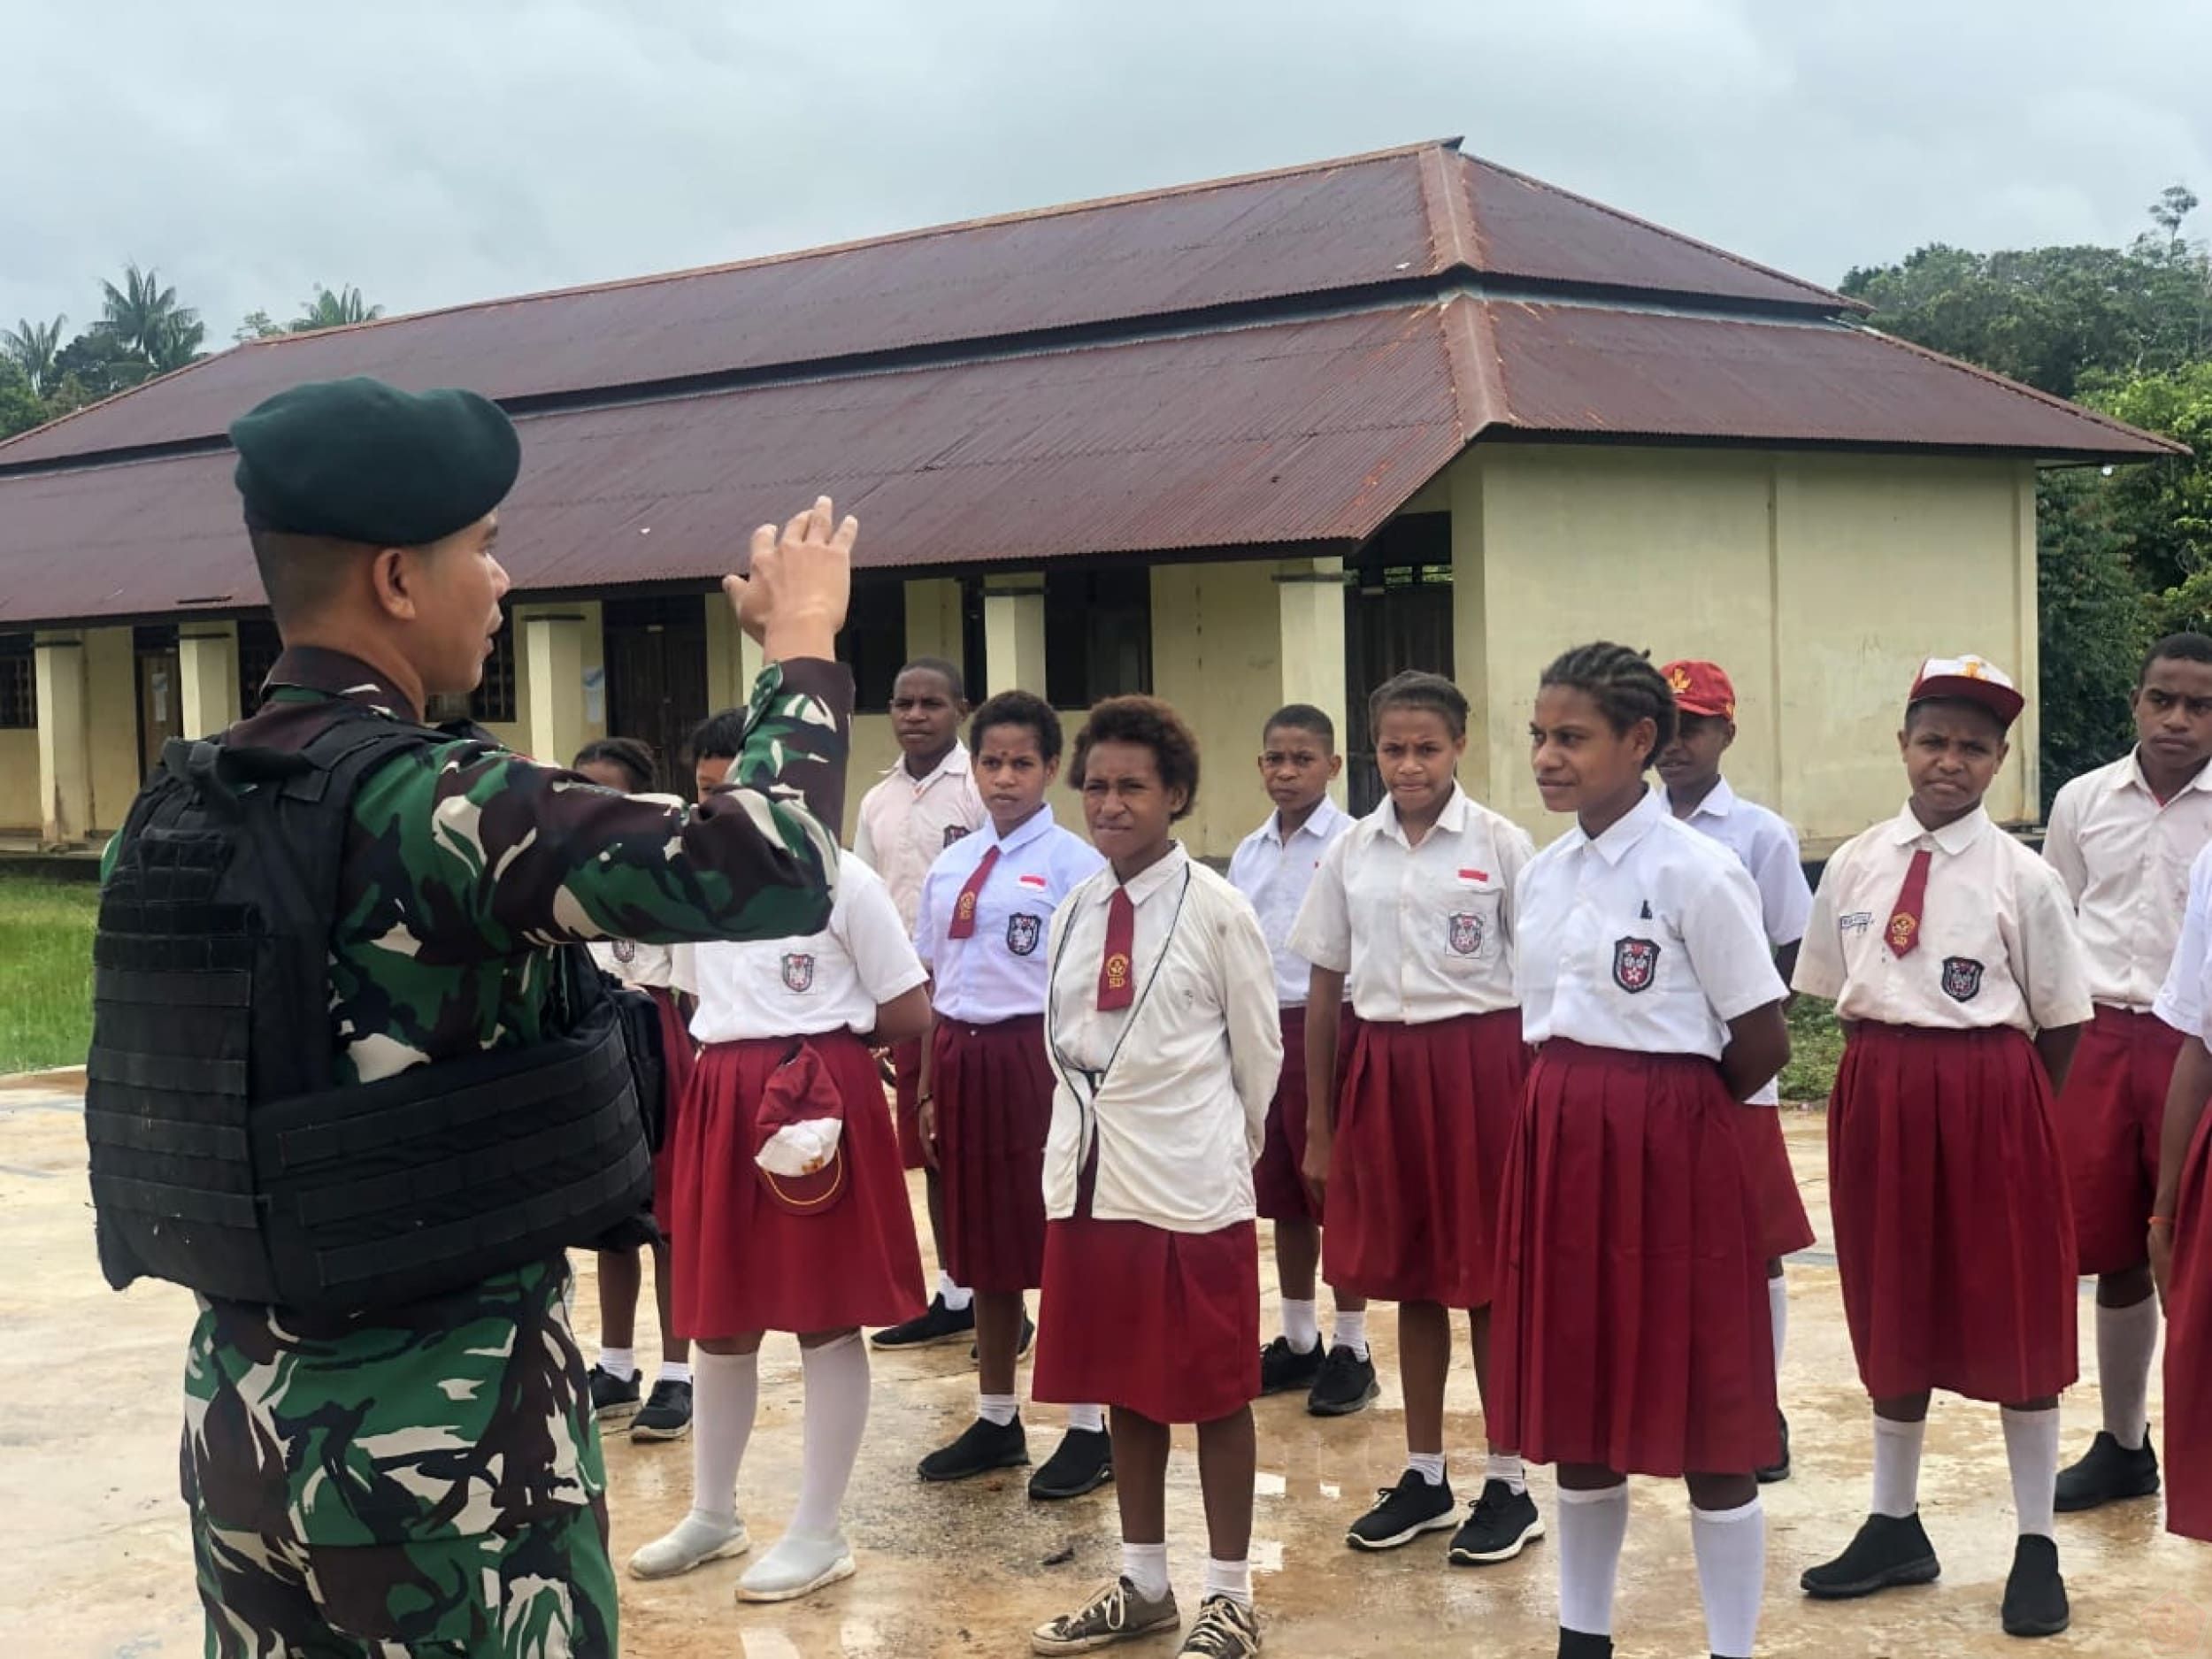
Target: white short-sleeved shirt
1648 939
1276 873
2125 860
647 967
906 822
832 980
2181 999
999 972
1421 933
1189 1070
1766 846
1997 939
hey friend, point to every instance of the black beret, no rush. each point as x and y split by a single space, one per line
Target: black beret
365 462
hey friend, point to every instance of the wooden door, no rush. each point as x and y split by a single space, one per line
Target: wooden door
1397 615
160 705
656 679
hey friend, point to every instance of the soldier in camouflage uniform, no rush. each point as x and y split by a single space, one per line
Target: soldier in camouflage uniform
426 1479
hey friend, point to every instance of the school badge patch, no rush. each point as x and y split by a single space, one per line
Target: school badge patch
1635 964
1023 933
1961 979
1466 934
953 832
798 972
624 951
1117 971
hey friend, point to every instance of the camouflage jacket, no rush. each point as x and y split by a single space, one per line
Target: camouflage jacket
465 865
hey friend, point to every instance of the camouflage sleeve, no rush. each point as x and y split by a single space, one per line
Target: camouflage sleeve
477 852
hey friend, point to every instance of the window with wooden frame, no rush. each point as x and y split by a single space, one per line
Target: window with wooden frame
18 682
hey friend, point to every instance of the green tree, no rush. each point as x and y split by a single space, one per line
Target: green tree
145 316
94 366
329 310
2096 621
32 347
2165 509
256 326
21 406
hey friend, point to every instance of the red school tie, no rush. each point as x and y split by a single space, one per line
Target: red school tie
1117 985
963 907
1904 922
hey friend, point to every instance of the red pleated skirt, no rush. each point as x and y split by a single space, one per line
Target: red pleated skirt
1424 1126
680 1055
1166 1325
1953 1238
743 1262
906 1082
1279 1186
2189 1347
993 1085
2108 1121
1632 1329
1784 1227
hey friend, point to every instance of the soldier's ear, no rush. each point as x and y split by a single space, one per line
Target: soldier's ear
394 575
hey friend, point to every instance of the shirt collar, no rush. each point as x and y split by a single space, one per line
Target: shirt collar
336 674
1952 839
1146 881
1451 820
2132 774
1319 824
954 764
1041 825
1616 843
1719 801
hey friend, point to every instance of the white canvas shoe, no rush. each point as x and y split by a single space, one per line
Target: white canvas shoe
798 1565
696 1540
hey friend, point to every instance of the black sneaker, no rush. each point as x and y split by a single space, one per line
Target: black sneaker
1028 1341
1773 1472
1282 1368
939 1323
1403 1512
2035 1596
667 1413
1886 1553
1499 1525
982 1447
2108 1473
613 1398
1346 1384
1582 1644
1083 1461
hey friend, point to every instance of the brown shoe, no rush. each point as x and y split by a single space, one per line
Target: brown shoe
1118 1613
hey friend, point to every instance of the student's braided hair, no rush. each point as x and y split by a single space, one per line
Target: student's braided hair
1624 685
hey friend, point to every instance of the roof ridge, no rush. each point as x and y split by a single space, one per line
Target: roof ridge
45 426
1842 302
2021 388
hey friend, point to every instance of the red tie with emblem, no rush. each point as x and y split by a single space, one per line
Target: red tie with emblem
1117 983
1904 921
963 907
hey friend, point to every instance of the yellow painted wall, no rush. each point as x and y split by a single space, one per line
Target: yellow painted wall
19 782
111 720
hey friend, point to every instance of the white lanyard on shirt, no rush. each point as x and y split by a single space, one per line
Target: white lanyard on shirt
1086 1091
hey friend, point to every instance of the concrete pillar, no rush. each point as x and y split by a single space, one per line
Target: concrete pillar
553 650
1495 748
65 740
1309 640
1014 632
734 659
207 662
935 625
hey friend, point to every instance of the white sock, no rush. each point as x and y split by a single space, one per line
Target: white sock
2032 1449
2126 1340
674 1370
956 1297
1732 1564
1897 1466
1593 1525
1351 1331
619 1363
1145 1566
1508 1467
836 1378
1091 1418
723 1400
1302 1324
1231 1578
1430 1465
999 1408
1779 1316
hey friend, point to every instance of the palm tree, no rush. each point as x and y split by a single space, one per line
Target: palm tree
33 347
327 310
145 317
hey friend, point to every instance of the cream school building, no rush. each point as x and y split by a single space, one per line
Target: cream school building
1258 440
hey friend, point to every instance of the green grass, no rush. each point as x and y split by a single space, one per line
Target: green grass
45 972
1815 1047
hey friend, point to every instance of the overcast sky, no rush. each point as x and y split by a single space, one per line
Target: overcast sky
439 150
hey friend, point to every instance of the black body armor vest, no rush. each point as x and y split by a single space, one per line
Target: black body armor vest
224 1157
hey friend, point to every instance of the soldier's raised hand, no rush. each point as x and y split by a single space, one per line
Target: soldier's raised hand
793 595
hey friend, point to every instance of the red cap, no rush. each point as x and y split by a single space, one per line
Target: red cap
801 1095
1968 678
1700 688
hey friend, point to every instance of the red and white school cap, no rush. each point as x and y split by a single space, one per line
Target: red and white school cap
1968 678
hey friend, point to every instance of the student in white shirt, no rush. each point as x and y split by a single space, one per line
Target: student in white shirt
1705 728
1163 1028
2180 1226
1412 913
663 974
1951 954
926 801
1631 1333
791 1214
2123 839
1274 867
987 1084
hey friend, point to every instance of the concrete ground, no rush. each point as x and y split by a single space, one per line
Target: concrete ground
94 1561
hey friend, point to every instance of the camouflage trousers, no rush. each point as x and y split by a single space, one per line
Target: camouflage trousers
544 1591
